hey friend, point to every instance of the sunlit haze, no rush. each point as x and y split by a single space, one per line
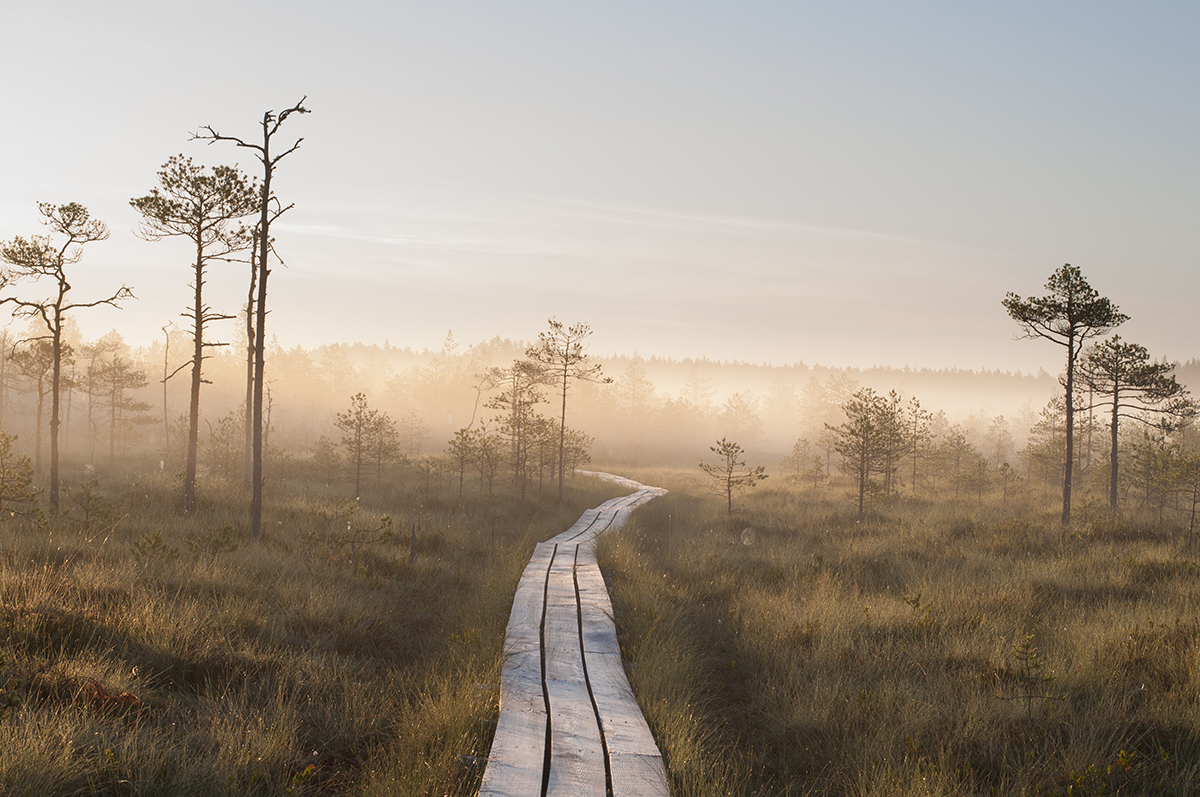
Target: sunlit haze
845 184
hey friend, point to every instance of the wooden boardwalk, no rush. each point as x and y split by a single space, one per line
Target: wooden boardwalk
569 724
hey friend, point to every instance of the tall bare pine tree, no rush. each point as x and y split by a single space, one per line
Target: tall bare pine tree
270 209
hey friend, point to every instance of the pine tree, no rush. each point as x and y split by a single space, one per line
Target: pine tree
1069 315
731 474
42 256
1137 388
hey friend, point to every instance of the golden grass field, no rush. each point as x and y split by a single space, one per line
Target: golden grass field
930 649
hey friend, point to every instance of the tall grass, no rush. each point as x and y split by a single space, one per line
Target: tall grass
926 650
149 653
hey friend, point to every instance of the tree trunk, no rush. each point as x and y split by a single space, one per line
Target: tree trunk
113 402
249 424
3 373
54 408
864 473
260 330
66 429
1069 466
358 460
193 445
1192 517
37 436
562 433
916 446
166 449
1112 476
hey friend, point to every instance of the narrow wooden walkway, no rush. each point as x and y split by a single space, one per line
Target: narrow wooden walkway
569 725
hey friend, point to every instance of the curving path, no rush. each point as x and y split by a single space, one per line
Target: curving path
569 724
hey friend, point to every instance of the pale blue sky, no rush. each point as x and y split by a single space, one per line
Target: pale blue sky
849 183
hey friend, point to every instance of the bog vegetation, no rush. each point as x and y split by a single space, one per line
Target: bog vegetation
354 650
933 646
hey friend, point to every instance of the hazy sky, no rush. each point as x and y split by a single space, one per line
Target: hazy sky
843 183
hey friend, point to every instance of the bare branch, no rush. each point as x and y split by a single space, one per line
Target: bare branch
177 370
209 135
120 296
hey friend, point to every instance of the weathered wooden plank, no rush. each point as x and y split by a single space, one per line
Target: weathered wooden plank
543 552
576 751
638 776
560 639
625 729
599 525
526 610
517 758
599 632
519 746
628 484
515 763
527 602
635 764
591 520
586 520
613 513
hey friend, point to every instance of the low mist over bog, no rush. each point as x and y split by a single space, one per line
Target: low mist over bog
656 410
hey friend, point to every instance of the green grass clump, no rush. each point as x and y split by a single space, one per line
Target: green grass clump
928 649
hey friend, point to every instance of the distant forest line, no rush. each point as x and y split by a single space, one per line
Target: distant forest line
656 410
